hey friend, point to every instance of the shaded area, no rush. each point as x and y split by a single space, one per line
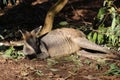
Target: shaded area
29 16
24 16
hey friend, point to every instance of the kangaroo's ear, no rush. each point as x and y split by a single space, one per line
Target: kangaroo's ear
36 31
25 34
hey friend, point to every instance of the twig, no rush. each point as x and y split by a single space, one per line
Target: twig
12 43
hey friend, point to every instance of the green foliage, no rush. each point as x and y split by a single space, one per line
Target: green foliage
114 70
63 23
11 53
72 58
110 35
101 13
87 62
75 59
51 62
98 36
39 72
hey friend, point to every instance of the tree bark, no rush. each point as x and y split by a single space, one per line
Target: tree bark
51 14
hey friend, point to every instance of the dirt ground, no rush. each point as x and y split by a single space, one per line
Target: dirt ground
51 69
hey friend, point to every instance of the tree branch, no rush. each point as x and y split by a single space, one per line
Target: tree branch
51 14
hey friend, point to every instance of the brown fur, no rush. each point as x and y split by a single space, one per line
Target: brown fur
57 43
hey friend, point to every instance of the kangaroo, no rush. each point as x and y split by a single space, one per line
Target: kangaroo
57 43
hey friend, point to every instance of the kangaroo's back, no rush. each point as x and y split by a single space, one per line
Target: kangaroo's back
59 42
65 41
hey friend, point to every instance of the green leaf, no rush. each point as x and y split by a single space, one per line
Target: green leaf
100 38
112 10
117 30
17 55
8 52
39 72
113 21
90 36
87 62
95 37
114 70
51 62
102 28
12 54
63 23
113 66
101 13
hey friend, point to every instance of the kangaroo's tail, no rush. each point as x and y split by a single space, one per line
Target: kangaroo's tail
84 43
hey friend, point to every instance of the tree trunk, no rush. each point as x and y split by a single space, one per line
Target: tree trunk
51 14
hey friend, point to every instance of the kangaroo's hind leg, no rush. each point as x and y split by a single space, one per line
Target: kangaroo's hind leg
85 43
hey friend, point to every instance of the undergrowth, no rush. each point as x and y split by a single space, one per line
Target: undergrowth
11 53
108 23
113 70
106 26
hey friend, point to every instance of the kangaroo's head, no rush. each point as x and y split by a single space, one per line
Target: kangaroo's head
31 42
